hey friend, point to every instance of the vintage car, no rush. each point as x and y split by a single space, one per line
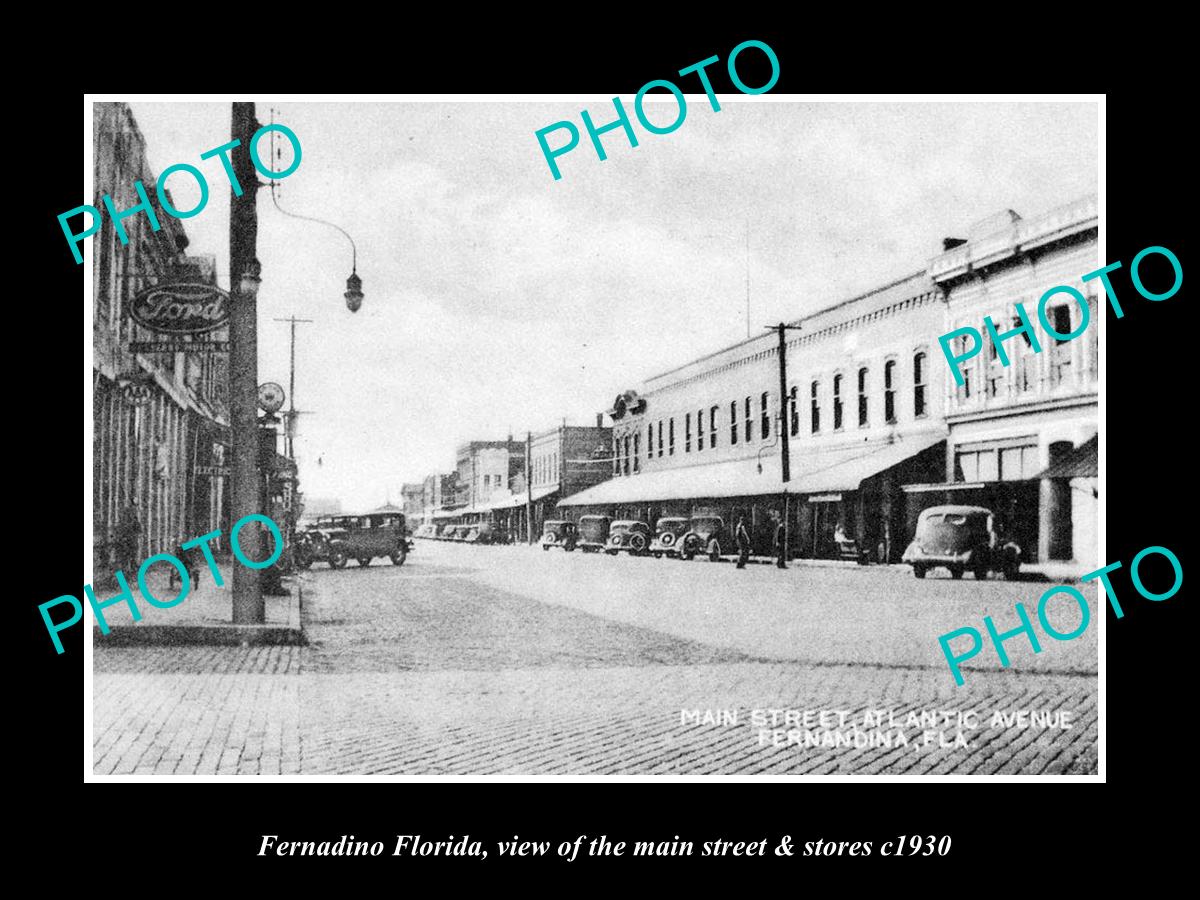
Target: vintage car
366 537
961 538
667 532
630 536
428 530
593 533
704 537
559 533
312 545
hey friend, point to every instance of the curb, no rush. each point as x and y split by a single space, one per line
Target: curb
204 635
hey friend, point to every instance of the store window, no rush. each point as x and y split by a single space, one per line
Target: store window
749 422
794 410
733 429
712 428
637 451
765 414
687 433
816 408
837 402
699 430
660 438
671 437
862 397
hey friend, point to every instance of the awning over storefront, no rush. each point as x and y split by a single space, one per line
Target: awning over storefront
811 473
845 472
513 501
736 478
1079 463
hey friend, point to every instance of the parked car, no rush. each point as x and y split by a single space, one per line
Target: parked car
593 533
667 534
704 537
630 536
366 537
428 530
559 533
961 538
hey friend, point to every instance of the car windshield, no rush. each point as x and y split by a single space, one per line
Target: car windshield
953 528
706 523
672 524
620 527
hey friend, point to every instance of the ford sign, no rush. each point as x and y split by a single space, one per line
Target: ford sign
181 308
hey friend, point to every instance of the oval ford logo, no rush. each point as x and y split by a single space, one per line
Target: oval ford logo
181 308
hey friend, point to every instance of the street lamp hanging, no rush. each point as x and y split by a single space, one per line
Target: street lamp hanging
354 294
250 280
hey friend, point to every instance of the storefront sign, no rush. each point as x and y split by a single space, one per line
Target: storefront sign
175 346
218 471
182 308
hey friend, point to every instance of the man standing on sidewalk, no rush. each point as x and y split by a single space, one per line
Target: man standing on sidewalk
780 542
742 536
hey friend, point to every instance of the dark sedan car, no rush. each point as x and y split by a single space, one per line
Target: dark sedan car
667 534
630 536
961 538
558 533
593 533
704 537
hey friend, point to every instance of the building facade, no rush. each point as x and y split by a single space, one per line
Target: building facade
412 502
863 412
1018 411
485 470
160 428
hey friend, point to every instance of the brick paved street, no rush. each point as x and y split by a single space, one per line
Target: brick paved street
480 660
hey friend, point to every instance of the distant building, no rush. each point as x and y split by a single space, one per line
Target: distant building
413 502
563 461
485 469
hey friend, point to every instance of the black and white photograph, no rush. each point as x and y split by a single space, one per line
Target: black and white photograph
533 436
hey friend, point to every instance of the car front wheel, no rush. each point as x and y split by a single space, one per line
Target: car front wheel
338 559
399 556
956 572
919 571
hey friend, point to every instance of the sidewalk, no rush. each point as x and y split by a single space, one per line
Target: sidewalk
205 616
1051 571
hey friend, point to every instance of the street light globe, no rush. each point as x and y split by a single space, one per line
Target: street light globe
250 279
354 294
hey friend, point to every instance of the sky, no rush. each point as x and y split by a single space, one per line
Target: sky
499 300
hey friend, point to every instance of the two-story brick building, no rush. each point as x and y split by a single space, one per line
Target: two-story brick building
1009 423
159 419
863 413
877 428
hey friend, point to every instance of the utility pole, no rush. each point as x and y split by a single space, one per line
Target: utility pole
529 487
785 465
291 413
248 608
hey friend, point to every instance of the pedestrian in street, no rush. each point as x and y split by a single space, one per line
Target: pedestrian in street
742 537
188 558
126 537
780 542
